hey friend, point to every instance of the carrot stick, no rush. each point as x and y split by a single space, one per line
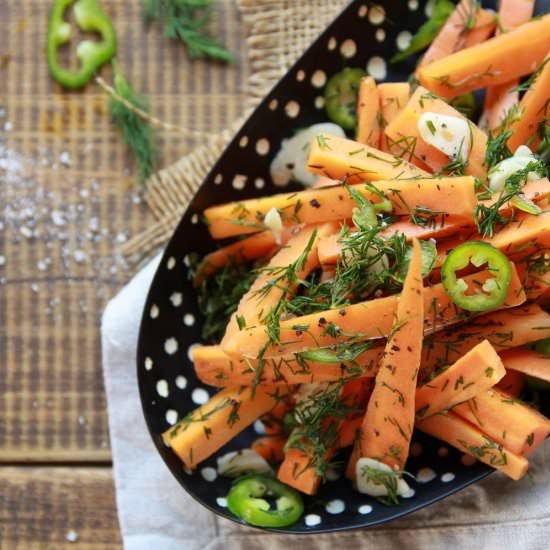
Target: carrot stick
500 99
300 468
533 271
405 139
504 329
272 284
525 236
202 432
329 248
462 435
251 248
368 113
273 421
270 447
528 362
452 198
339 159
215 368
509 422
393 97
489 63
388 423
348 324
534 109
466 26
475 372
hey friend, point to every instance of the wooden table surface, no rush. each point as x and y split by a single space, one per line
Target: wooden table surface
68 201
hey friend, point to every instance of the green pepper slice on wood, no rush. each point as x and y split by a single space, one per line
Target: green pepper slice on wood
341 93
493 291
250 497
89 17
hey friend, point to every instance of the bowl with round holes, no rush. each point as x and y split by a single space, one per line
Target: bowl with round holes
363 35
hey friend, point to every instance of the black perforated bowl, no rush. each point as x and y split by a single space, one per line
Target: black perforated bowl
171 323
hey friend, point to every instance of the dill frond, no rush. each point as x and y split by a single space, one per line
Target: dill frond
187 21
136 132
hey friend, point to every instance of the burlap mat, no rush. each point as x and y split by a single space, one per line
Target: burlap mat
278 32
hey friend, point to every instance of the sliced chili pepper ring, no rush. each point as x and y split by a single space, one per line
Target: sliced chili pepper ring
89 17
249 499
494 290
341 93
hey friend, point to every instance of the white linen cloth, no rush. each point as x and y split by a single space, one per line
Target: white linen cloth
155 513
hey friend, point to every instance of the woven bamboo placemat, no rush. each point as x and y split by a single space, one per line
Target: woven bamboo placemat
278 33
68 202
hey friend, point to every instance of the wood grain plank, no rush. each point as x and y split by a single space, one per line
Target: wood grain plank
68 201
45 508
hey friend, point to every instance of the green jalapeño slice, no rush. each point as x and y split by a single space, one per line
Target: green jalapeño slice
493 291
265 502
341 94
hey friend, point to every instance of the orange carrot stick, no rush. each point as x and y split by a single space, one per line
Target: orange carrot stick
202 432
528 362
453 197
488 64
405 139
300 465
462 435
251 248
523 237
388 423
348 324
504 329
500 99
393 97
215 368
475 372
270 447
534 109
329 248
368 113
269 287
509 422
466 26
339 159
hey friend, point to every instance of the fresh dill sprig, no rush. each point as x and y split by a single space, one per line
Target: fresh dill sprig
137 133
219 294
389 479
187 21
319 417
525 85
497 148
489 217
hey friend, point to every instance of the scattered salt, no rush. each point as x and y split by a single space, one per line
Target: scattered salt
57 218
65 159
79 256
71 536
93 224
26 232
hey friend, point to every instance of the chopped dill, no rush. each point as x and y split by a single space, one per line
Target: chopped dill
219 294
187 21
